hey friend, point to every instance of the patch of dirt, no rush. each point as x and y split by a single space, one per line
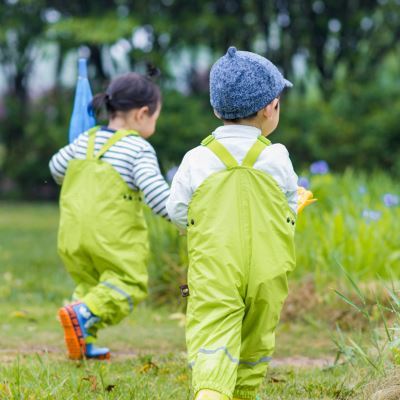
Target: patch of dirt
304 299
302 362
57 353
10 355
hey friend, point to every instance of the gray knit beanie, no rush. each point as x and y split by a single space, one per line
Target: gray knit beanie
242 83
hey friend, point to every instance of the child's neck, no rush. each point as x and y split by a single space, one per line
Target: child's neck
244 123
119 123
254 124
119 127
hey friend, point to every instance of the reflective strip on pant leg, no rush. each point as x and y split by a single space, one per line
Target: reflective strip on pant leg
222 348
120 291
254 363
233 359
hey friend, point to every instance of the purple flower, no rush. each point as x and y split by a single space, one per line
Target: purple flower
390 200
371 215
171 173
303 181
319 167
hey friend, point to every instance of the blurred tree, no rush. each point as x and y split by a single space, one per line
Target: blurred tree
334 50
94 24
19 38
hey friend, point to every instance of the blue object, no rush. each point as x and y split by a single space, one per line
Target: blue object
93 351
242 83
81 119
86 319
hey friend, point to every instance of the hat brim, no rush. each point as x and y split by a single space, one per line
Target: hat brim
288 84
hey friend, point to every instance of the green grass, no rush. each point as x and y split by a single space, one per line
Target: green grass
334 230
160 377
149 348
149 360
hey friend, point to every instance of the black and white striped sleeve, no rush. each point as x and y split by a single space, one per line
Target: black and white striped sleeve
147 177
59 162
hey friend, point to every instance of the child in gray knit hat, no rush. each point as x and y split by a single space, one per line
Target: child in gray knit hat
237 196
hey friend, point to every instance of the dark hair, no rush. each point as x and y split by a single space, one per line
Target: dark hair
127 92
236 120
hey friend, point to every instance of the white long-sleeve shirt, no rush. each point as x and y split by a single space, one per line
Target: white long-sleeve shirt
134 159
200 162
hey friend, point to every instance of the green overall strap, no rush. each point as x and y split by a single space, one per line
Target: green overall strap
90 149
251 157
220 151
116 137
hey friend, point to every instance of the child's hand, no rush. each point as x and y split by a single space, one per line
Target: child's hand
305 198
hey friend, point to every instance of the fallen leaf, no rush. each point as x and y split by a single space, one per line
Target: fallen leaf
147 367
278 379
92 380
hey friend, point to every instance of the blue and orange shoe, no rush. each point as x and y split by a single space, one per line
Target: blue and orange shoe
76 319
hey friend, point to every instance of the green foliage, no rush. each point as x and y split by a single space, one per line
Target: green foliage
336 229
44 132
95 30
356 127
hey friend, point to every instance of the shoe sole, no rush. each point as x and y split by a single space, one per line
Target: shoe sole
103 357
72 333
73 336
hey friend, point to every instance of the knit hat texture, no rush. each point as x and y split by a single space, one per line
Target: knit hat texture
242 83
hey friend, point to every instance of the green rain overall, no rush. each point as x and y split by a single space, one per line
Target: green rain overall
241 249
102 236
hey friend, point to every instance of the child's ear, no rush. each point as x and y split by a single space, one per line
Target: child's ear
142 112
271 108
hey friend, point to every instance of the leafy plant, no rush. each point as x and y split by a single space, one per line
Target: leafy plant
382 317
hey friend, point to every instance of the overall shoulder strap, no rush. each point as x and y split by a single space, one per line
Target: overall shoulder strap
251 157
220 151
92 136
116 137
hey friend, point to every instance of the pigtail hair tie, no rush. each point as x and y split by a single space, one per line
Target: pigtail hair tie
107 97
152 71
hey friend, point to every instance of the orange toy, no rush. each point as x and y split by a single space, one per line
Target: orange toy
305 198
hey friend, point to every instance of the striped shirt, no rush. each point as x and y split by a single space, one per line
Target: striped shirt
134 159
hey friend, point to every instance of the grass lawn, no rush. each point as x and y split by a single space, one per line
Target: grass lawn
149 360
148 348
